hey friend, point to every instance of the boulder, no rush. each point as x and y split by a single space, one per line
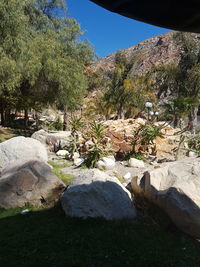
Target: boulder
106 163
96 194
176 189
53 141
21 148
30 183
136 163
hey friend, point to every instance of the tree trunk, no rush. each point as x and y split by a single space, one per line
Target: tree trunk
121 113
65 121
193 118
2 116
176 120
25 119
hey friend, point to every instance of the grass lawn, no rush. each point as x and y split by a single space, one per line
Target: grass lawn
7 133
47 238
66 178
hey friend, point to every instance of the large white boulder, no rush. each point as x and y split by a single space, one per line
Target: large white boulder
106 163
176 189
96 194
31 183
21 148
136 163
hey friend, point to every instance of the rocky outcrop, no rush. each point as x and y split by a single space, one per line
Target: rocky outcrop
21 148
176 189
120 134
96 194
158 50
30 183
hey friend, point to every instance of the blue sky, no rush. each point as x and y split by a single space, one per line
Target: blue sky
107 31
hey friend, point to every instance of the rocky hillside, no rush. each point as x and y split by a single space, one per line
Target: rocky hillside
157 50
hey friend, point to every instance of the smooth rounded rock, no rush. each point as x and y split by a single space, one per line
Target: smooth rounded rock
136 163
21 148
96 194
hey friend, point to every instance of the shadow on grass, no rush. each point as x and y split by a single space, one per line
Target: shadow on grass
48 238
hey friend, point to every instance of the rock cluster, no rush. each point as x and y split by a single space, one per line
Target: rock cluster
25 176
176 189
120 134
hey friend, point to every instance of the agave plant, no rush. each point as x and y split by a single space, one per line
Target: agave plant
150 132
99 149
76 124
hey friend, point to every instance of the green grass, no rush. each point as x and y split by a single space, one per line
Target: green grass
66 178
120 177
6 133
47 238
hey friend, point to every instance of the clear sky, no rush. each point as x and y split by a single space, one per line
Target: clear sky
107 31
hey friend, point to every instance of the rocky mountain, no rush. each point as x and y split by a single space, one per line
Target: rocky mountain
161 49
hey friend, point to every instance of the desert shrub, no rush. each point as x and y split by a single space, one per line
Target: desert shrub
149 133
99 149
145 136
57 124
75 124
194 142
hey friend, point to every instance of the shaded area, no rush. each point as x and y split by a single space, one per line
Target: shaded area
177 15
48 238
182 210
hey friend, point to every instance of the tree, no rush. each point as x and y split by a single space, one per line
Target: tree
127 95
181 81
42 58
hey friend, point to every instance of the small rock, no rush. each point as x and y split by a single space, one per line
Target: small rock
106 163
78 162
127 176
76 155
192 154
23 212
62 153
136 163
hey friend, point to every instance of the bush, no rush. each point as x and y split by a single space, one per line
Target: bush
99 148
57 124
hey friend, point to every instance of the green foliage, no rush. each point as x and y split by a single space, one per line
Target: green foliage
75 124
126 96
42 60
182 79
97 131
66 178
137 156
194 142
57 124
73 145
93 156
99 148
149 132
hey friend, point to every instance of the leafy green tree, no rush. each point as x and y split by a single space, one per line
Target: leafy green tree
126 95
42 58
